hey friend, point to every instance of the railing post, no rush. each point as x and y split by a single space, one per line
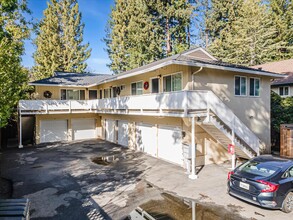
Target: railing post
47 108
69 106
185 102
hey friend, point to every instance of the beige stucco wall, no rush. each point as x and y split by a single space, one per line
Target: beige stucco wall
68 117
56 91
253 111
147 77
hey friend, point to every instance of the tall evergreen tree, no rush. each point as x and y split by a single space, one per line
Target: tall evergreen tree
59 41
281 13
219 16
141 31
249 38
13 78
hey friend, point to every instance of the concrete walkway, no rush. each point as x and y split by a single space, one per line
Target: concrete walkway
62 182
210 187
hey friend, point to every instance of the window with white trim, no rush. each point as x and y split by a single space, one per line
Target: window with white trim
254 86
284 91
72 94
136 88
172 82
240 86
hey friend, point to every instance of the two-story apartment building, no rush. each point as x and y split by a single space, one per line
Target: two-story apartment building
166 108
282 86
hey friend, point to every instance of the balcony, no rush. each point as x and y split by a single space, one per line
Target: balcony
180 102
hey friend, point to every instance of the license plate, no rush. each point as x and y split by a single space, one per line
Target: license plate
244 185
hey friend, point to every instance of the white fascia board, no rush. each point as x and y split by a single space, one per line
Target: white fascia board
61 85
167 63
273 75
202 50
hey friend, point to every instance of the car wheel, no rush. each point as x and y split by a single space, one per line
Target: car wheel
288 203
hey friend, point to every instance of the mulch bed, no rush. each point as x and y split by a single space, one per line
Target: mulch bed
5 188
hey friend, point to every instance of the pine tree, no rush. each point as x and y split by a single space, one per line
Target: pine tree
13 78
142 31
281 13
219 16
59 41
249 38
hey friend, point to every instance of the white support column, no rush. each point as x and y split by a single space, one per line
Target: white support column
20 132
193 207
193 175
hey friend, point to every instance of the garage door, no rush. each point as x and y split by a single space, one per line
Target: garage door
123 133
110 130
170 144
83 128
53 130
146 138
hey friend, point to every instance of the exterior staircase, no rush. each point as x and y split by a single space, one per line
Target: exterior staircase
224 136
224 126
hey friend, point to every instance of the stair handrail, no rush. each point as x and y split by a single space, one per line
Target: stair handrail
216 105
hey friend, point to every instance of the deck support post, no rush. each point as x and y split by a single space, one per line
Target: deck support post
20 132
193 175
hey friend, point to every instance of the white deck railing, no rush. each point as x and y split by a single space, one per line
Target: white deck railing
183 101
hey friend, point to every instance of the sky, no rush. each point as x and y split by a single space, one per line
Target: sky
95 14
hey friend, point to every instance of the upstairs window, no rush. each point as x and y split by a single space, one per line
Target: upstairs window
136 88
172 82
284 91
240 86
72 94
93 94
254 85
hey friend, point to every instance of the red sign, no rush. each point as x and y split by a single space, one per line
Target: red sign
231 149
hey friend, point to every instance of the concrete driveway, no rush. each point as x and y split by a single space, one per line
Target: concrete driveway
62 182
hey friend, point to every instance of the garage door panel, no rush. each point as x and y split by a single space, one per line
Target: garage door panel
53 130
170 144
146 140
110 130
83 129
123 133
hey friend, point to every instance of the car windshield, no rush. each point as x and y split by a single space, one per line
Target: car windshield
258 168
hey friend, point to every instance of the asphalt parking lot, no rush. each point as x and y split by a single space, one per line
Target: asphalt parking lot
62 182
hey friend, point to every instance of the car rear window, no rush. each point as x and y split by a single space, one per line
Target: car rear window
258 168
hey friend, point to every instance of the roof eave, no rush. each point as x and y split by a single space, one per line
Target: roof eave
62 85
274 75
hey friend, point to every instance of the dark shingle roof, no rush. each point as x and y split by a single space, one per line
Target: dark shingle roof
73 79
218 63
284 81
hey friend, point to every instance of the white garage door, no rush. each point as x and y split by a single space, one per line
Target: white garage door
146 138
110 130
83 128
53 130
170 144
123 133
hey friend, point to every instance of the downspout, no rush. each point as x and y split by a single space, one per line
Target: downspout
192 75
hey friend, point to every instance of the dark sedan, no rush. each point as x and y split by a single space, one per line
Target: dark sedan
265 180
